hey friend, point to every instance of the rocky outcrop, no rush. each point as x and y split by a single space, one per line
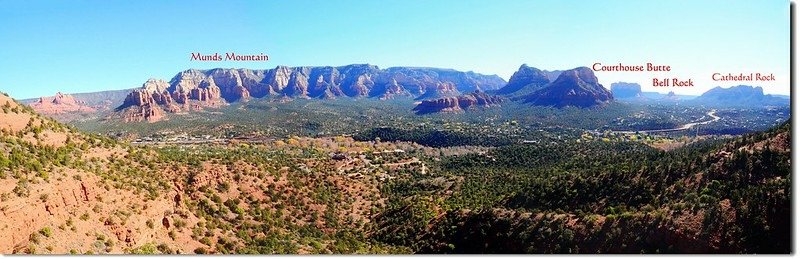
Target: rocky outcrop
322 83
622 90
155 97
59 104
458 103
576 87
529 78
208 91
235 84
142 105
358 80
63 99
155 85
143 97
297 85
447 104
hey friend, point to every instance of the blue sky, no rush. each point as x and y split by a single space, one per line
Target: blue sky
80 46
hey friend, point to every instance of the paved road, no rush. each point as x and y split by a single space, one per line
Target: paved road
682 127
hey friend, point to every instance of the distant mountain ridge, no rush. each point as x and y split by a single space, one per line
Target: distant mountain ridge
70 106
737 96
193 89
101 98
623 90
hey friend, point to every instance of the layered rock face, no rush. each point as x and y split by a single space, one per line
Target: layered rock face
360 80
439 90
390 90
458 103
156 97
59 104
202 88
62 99
575 87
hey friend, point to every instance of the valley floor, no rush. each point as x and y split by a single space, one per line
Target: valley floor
393 190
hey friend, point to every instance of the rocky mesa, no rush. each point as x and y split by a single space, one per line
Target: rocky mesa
624 90
458 103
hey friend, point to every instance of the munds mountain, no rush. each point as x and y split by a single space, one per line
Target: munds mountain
194 89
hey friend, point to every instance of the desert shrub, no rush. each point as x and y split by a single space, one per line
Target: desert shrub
46 231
